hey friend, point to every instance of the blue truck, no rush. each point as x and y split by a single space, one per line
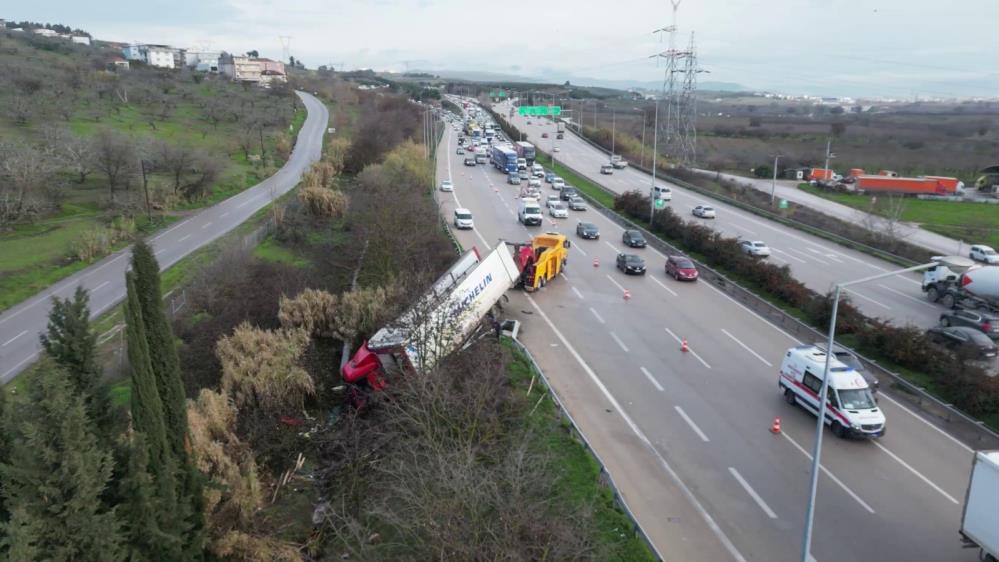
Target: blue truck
525 150
503 159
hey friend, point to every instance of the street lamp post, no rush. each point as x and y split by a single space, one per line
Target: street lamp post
773 184
949 261
655 149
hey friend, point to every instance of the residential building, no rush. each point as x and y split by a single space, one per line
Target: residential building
159 56
249 69
117 63
133 52
44 32
81 39
203 61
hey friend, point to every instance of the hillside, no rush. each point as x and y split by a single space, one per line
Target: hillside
89 156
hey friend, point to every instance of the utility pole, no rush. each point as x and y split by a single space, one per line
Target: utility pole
644 118
655 150
828 156
773 184
613 131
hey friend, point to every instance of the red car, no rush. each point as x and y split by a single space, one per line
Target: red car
681 268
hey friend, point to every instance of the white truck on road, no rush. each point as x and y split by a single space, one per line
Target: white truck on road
980 518
618 162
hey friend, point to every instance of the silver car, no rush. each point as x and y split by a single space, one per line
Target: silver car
577 204
558 210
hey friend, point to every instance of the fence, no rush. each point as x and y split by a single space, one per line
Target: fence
969 430
578 436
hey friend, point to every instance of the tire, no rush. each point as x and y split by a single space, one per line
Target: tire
947 300
838 430
789 397
932 294
544 282
945 322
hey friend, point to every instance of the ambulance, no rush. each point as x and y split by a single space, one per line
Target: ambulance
851 410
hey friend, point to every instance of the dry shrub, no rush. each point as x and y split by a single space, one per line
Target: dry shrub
98 241
335 153
323 202
311 310
282 146
260 367
236 495
320 174
361 310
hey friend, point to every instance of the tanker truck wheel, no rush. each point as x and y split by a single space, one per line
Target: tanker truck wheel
947 301
933 294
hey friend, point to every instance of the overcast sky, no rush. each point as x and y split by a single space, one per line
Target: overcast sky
897 48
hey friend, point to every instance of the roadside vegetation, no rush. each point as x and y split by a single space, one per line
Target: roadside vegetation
91 157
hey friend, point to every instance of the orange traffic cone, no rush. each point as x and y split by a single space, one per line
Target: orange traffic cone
683 346
596 262
775 428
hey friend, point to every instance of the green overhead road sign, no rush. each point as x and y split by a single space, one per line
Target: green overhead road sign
539 110
782 204
497 94
660 203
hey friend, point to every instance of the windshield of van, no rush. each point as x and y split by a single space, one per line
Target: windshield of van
463 216
856 399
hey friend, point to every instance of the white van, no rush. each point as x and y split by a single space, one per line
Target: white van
529 212
851 409
663 192
537 171
463 219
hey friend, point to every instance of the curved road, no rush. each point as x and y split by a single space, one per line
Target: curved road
685 435
20 325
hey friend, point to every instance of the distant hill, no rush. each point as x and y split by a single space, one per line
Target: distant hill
557 78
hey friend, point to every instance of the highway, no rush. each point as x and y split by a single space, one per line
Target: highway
105 280
685 434
814 261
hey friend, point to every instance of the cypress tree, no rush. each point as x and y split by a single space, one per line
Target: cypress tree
162 350
73 345
147 408
55 477
141 510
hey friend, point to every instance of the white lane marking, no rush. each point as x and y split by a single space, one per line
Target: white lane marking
21 362
916 472
612 247
597 314
206 225
910 297
184 238
112 261
927 422
224 215
11 340
668 290
689 349
575 290
829 474
244 203
576 246
691 423
474 229
740 227
787 254
620 343
746 347
652 379
752 493
168 231
618 285
903 277
99 287
865 297
809 256
698 506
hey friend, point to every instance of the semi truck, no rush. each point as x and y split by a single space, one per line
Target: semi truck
560 130
980 517
973 287
526 151
504 159
451 311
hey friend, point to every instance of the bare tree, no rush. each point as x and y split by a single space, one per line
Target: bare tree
25 174
74 152
884 219
115 158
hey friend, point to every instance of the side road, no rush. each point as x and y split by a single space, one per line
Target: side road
789 190
20 325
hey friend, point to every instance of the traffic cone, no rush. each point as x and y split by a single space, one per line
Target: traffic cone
596 262
683 345
627 296
775 428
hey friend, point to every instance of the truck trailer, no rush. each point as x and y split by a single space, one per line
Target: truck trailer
905 186
980 517
503 159
526 151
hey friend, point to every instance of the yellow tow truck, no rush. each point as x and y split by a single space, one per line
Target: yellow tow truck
542 259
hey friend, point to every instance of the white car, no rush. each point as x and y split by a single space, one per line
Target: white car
704 212
577 204
463 218
755 248
558 183
983 253
558 210
534 182
557 149
551 200
446 185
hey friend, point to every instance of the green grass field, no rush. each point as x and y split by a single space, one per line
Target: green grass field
579 182
974 223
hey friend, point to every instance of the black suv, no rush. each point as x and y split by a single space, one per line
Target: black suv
963 339
587 230
568 193
631 264
983 321
634 239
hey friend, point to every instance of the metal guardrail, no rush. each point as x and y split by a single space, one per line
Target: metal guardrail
972 432
814 230
579 437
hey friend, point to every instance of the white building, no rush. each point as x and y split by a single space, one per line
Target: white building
203 61
133 52
159 56
44 32
81 39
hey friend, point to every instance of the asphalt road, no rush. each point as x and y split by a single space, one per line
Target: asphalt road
685 435
816 262
20 325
